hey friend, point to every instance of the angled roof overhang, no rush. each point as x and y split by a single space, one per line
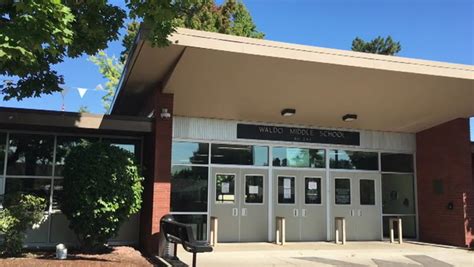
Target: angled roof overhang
220 76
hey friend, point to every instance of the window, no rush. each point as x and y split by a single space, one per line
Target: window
286 190
30 154
398 194
34 186
190 153
342 191
239 154
298 157
130 145
254 189
367 192
392 162
353 160
64 144
312 190
57 193
225 188
3 140
189 188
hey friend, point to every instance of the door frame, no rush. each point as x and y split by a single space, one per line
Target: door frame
270 169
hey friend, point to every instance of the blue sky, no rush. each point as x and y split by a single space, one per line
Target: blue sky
440 30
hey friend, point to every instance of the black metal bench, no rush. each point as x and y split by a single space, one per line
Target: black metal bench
180 233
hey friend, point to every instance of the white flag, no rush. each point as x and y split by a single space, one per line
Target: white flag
99 87
82 91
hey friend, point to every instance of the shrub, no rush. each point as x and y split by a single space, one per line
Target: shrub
102 188
20 213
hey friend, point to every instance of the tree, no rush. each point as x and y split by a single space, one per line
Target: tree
111 69
232 17
106 188
20 212
379 45
83 109
35 35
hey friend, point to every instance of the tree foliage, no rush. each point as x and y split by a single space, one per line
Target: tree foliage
36 35
379 45
104 188
21 212
232 17
111 69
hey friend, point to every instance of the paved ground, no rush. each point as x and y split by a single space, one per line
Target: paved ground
355 254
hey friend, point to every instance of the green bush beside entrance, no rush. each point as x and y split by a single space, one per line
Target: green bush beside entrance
102 188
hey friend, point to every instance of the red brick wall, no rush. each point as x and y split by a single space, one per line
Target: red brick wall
157 192
444 154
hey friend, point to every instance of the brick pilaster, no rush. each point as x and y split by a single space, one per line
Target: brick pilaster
157 187
444 157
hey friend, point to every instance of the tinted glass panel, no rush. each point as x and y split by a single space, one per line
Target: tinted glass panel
189 188
130 145
34 186
186 152
398 194
3 140
286 190
357 160
367 192
64 144
253 189
312 190
298 157
225 188
30 154
397 162
239 154
197 222
57 193
343 191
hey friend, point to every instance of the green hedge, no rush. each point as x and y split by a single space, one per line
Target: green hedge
102 188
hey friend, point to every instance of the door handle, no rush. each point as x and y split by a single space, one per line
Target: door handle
235 212
244 212
295 212
359 212
303 212
352 212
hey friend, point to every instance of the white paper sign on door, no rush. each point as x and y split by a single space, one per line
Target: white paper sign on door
253 189
312 185
225 188
286 183
286 193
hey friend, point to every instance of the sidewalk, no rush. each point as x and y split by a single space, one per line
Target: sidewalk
357 254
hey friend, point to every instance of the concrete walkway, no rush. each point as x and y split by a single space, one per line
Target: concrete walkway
356 254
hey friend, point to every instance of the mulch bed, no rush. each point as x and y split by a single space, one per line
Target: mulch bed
119 256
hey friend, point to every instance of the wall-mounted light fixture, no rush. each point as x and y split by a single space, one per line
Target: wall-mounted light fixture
349 117
287 112
165 114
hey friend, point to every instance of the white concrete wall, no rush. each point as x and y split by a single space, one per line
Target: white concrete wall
225 130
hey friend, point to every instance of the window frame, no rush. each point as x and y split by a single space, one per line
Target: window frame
351 197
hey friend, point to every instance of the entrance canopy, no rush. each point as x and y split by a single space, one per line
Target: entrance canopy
220 76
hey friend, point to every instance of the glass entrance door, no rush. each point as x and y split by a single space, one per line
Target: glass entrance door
354 197
298 196
239 202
